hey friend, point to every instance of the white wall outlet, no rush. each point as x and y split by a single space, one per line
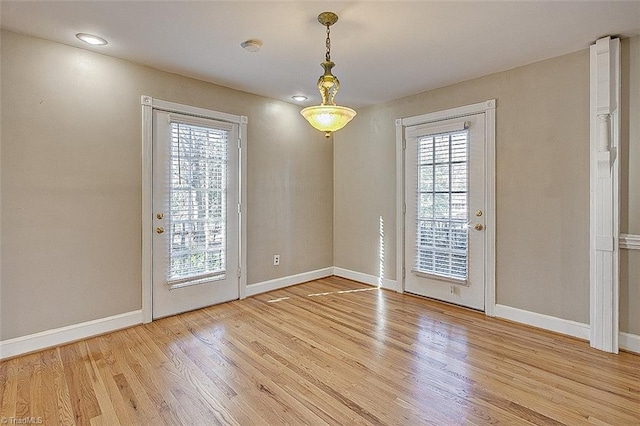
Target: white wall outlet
276 259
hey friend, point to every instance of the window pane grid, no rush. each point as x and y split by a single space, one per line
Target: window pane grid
197 202
441 224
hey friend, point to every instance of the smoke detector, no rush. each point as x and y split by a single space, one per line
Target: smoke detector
252 45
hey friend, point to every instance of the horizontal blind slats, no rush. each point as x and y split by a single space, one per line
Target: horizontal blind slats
197 197
441 193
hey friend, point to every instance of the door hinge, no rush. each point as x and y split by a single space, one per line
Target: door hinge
239 208
239 143
404 143
404 272
239 272
404 208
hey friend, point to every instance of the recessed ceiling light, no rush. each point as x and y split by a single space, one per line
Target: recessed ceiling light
91 39
299 98
252 45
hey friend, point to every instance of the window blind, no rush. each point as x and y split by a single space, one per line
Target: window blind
441 220
197 202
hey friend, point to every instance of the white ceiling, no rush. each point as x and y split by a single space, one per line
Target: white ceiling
382 50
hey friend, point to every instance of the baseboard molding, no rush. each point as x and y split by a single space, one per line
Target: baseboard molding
629 342
546 322
278 283
364 278
71 333
64 335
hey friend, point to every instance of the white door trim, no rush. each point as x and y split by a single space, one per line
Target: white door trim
148 105
488 108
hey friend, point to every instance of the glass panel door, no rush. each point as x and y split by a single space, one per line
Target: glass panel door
444 192
196 219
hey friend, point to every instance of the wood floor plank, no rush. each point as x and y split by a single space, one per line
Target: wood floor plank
148 362
65 410
194 381
202 345
231 378
36 407
331 351
105 363
83 399
138 397
288 410
25 370
107 412
9 402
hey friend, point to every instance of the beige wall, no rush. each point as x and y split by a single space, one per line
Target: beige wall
542 183
542 143
630 291
71 182
70 175
630 185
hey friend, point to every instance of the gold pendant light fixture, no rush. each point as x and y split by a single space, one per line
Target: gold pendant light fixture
328 117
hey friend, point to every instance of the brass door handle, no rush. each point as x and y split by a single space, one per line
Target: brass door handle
159 229
479 227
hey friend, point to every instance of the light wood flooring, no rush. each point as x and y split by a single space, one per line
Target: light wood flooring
330 351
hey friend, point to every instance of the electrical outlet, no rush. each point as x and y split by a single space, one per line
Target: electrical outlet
276 259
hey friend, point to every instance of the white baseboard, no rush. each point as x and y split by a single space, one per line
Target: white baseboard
64 335
546 322
278 283
629 342
71 333
364 278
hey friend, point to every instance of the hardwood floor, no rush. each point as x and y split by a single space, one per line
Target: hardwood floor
330 351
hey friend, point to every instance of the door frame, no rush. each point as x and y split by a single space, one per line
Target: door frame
148 105
487 107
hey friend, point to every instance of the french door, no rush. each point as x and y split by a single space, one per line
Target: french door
195 256
444 224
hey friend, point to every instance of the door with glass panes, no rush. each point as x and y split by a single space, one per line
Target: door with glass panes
444 221
195 207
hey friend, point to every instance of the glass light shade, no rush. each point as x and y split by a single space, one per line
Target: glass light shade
328 118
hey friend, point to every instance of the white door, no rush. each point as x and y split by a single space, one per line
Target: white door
445 210
195 209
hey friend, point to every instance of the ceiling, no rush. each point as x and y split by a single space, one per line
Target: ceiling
382 50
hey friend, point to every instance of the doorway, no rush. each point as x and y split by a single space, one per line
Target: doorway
193 222
447 207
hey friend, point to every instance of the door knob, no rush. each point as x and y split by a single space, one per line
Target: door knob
159 229
160 216
479 227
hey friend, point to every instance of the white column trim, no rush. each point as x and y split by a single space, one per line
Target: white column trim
604 194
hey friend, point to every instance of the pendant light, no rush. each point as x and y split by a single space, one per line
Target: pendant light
328 117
